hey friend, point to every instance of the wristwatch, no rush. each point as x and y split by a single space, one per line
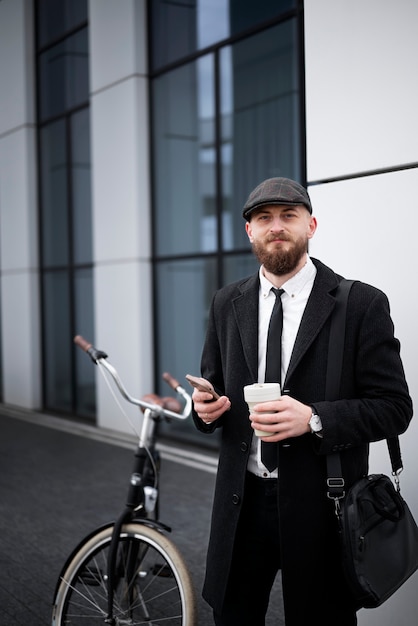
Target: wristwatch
315 424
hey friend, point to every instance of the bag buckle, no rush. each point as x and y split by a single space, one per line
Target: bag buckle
336 492
396 480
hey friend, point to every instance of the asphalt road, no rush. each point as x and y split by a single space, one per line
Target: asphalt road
58 484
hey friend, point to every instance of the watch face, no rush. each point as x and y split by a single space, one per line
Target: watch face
315 423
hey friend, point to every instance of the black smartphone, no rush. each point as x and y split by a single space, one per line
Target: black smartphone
202 385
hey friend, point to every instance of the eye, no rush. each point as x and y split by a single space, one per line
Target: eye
262 217
290 214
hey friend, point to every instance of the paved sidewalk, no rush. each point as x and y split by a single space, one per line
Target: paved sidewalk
59 480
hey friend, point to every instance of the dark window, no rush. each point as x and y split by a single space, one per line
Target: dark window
227 106
55 19
54 194
184 146
65 204
180 28
63 76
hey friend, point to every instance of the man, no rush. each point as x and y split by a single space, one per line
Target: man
265 520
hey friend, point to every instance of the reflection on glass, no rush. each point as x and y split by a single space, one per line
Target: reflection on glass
64 76
56 18
239 266
57 340
183 27
54 194
184 151
81 192
65 204
184 294
84 323
260 119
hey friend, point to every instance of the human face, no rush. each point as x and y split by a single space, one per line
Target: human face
279 236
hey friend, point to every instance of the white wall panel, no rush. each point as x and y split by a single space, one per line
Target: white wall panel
361 85
120 179
117 39
16 64
19 296
19 218
20 339
121 197
123 331
367 230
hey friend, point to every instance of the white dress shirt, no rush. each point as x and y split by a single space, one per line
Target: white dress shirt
296 293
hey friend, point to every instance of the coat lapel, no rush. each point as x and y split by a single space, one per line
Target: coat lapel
246 313
319 307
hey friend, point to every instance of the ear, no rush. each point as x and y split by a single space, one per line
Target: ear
249 231
312 227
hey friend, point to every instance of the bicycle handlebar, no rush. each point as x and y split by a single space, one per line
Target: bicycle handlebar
170 380
93 353
99 358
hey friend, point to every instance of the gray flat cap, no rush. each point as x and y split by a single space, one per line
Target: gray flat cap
277 191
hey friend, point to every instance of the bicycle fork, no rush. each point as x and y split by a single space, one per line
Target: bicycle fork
136 498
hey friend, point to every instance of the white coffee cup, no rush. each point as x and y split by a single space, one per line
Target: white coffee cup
261 392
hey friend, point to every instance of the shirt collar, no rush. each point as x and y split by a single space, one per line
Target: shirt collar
294 285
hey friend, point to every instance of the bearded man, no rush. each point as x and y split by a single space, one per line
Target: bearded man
275 517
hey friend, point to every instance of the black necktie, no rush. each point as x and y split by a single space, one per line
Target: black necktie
273 370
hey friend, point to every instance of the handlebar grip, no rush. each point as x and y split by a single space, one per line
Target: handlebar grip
170 380
82 343
93 353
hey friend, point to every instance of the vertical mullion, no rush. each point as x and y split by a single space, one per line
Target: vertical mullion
300 47
218 169
70 266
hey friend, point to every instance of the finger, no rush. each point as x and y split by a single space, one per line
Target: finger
206 418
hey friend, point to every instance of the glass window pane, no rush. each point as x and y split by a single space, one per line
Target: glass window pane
58 341
239 266
260 119
81 192
185 164
84 325
247 14
56 18
64 76
54 194
181 28
181 327
170 43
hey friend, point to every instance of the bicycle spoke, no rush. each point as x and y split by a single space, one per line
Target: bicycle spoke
151 584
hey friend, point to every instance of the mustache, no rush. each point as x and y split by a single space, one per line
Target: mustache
278 236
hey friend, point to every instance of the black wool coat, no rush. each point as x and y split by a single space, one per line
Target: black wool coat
374 404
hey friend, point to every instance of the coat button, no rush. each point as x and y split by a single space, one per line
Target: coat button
244 446
236 499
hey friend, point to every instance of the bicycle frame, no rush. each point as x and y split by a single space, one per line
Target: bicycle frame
136 499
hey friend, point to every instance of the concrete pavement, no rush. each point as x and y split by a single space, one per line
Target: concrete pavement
59 480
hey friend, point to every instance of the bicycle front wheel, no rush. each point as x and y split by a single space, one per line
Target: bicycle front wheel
152 583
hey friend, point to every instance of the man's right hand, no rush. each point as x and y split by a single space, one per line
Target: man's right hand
207 409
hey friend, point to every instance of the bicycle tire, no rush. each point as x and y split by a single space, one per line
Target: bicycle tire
161 590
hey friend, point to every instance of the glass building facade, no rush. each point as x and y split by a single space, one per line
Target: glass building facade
64 203
226 110
227 104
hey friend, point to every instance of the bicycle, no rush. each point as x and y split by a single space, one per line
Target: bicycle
128 572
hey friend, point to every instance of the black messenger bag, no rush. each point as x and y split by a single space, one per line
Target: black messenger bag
379 536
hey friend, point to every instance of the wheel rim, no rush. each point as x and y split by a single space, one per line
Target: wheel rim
149 587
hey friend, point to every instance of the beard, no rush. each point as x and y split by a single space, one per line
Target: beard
280 262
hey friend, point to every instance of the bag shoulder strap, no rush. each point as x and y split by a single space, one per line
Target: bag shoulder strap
332 389
336 340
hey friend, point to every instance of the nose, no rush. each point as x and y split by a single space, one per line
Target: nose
276 224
